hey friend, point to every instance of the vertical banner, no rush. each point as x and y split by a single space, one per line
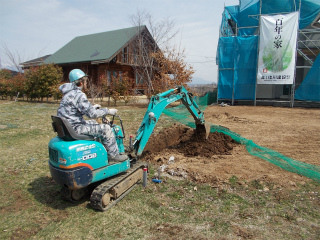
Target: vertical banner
277 48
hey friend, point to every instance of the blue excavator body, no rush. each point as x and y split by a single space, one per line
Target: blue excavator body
77 161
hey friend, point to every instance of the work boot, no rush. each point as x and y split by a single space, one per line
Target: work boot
118 158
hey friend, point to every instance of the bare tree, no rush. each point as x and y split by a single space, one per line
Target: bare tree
172 69
95 90
12 58
151 38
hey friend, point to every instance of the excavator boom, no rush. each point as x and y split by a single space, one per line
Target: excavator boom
156 106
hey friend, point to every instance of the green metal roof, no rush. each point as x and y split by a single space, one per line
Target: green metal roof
94 47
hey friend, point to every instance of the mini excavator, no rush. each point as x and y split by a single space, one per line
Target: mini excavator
77 162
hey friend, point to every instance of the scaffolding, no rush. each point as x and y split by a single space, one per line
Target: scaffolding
238 50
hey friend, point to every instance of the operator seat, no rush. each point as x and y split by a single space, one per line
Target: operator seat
65 131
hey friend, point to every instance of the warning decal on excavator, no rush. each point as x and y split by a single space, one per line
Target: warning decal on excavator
62 161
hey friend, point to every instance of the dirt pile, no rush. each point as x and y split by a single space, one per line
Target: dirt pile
185 141
186 148
176 151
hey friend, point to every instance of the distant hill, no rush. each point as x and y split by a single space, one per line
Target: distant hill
199 81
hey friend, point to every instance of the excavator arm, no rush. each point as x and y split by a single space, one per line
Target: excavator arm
156 106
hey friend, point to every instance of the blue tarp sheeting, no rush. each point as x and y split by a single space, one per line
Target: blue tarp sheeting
226 65
309 90
247 15
230 13
238 43
237 61
309 11
245 67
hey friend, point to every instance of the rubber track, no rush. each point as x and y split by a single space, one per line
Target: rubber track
102 189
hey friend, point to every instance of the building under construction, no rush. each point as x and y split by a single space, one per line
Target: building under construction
259 67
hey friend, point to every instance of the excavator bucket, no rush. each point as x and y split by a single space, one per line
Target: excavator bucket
203 130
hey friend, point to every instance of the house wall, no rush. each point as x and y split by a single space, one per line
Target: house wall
264 91
118 68
101 70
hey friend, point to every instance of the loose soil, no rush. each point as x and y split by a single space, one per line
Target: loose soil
293 132
186 141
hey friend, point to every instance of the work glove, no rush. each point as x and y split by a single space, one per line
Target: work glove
96 106
112 111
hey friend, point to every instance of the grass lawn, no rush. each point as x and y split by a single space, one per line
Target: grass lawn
31 207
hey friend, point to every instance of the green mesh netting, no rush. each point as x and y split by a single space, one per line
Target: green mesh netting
181 114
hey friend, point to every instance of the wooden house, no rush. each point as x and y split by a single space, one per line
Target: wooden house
106 54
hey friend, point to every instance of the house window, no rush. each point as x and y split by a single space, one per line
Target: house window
135 57
286 89
109 76
120 74
114 74
125 55
139 79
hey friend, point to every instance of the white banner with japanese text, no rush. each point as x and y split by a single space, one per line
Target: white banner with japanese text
277 48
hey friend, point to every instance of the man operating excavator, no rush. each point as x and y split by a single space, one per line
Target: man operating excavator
74 105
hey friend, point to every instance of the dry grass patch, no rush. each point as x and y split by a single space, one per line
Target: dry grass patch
31 207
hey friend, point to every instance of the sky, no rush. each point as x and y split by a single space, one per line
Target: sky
34 28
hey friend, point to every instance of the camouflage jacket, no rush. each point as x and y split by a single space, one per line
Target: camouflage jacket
74 104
